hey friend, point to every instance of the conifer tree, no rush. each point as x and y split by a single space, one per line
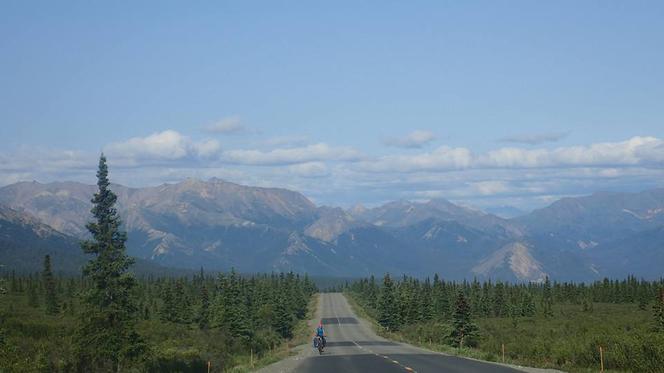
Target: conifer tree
547 298
282 321
33 296
14 283
659 312
527 304
426 308
372 293
182 309
464 328
204 311
388 311
441 299
643 299
107 339
235 309
499 306
167 312
50 296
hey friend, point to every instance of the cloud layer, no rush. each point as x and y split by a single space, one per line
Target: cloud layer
644 151
524 177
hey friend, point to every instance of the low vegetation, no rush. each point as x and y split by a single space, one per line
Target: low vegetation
548 325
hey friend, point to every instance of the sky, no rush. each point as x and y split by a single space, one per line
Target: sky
487 104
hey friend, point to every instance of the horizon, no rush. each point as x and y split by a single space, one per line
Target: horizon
344 103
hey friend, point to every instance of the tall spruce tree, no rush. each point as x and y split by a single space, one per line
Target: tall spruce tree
107 339
388 309
547 298
464 329
50 295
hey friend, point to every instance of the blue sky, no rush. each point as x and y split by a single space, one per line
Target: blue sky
484 103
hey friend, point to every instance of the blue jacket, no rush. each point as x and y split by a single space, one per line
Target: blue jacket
320 331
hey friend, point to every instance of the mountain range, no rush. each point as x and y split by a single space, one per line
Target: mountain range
221 225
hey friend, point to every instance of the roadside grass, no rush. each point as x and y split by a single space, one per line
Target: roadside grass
567 341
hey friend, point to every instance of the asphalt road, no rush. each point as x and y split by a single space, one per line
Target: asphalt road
353 347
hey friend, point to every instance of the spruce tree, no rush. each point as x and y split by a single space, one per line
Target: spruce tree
547 298
439 299
235 307
14 283
464 328
167 311
643 299
204 311
33 296
499 304
182 311
50 296
283 320
388 309
527 304
658 314
107 339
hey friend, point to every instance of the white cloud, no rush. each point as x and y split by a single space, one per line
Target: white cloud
645 151
490 187
309 153
168 145
536 138
415 139
229 125
442 158
27 158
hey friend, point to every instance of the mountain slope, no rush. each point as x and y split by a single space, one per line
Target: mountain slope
24 241
406 213
640 254
602 217
221 225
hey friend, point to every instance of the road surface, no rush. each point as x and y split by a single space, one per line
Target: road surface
352 346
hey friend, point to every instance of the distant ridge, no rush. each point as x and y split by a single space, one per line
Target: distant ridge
219 225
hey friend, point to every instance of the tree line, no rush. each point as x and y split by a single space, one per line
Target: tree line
410 301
